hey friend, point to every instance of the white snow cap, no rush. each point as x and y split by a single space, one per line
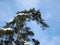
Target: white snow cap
20 14
24 14
26 43
6 29
11 20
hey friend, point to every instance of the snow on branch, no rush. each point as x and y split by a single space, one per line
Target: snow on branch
26 43
24 14
5 29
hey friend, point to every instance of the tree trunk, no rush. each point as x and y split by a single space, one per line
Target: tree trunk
17 37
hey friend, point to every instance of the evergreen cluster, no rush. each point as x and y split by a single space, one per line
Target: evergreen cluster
17 28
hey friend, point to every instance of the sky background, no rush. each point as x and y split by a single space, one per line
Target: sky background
50 11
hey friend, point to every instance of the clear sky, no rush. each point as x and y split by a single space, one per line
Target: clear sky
50 11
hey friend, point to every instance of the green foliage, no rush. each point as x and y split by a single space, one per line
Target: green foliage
18 24
1 33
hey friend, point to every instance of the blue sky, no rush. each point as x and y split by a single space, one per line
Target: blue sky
50 11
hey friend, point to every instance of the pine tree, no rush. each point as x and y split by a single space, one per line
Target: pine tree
17 28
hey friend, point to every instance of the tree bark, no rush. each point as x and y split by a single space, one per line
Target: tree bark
17 37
